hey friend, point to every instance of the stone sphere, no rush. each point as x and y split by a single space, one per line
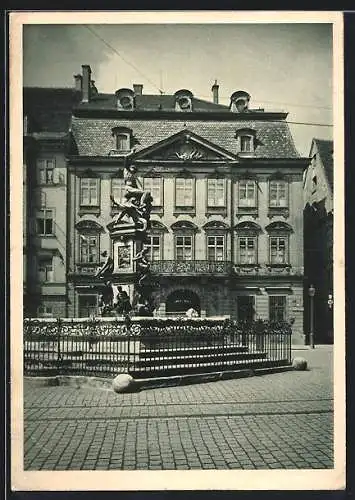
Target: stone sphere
299 364
122 383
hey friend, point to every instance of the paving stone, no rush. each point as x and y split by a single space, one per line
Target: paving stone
245 424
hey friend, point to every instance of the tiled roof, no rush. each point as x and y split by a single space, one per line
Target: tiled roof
325 149
150 102
93 136
49 109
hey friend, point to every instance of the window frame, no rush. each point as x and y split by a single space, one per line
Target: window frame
254 238
83 235
97 187
215 246
286 238
42 262
45 219
284 307
86 295
45 168
286 185
155 206
183 209
247 206
160 246
214 206
114 208
184 234
44 314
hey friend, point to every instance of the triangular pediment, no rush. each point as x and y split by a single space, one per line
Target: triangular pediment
184 146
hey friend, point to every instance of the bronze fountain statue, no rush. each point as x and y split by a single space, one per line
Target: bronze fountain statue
130 224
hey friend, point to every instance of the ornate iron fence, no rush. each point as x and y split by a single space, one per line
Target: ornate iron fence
173 267
148 347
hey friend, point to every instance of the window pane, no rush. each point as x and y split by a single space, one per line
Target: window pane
247 193
89 192
184 195
277 308
215 192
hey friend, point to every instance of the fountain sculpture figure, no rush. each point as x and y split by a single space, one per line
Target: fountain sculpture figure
129 267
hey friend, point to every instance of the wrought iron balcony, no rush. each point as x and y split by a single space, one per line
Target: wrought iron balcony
191 267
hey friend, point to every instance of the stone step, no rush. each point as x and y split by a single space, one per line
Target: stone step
166 359
181 369
146 351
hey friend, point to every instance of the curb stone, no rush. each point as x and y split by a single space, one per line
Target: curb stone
82 382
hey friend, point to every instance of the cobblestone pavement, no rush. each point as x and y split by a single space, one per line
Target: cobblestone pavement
275 421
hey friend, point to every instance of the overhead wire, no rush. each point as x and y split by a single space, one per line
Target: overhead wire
122 57
163 92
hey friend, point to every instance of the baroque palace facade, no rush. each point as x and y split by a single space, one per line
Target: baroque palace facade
226 231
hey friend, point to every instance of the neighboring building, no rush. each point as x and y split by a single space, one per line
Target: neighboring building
318 237
227 222
47 117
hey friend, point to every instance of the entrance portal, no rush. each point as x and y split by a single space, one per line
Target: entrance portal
180 301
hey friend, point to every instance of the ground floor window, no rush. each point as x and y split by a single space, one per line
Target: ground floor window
87 306
44 311
277 308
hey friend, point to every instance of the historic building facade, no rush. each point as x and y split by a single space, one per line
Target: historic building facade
318 237
227 223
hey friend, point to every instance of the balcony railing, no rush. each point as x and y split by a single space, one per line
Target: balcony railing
87 268
191 267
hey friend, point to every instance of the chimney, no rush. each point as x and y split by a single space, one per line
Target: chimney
78 79
138 88
214 89
86 83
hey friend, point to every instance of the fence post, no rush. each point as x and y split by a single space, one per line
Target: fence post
59 354
127 320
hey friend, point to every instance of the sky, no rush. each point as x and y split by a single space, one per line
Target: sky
282 66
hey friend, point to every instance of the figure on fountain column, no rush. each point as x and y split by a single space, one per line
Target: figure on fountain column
130 208
106 299
143 265
107 269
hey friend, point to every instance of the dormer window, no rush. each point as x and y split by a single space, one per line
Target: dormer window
122 142
246 144
123 139
240 102
245 141
183 100
125 99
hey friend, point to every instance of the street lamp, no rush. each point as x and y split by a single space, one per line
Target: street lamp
311 293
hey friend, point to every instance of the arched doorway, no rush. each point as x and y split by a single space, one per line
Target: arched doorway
179 301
